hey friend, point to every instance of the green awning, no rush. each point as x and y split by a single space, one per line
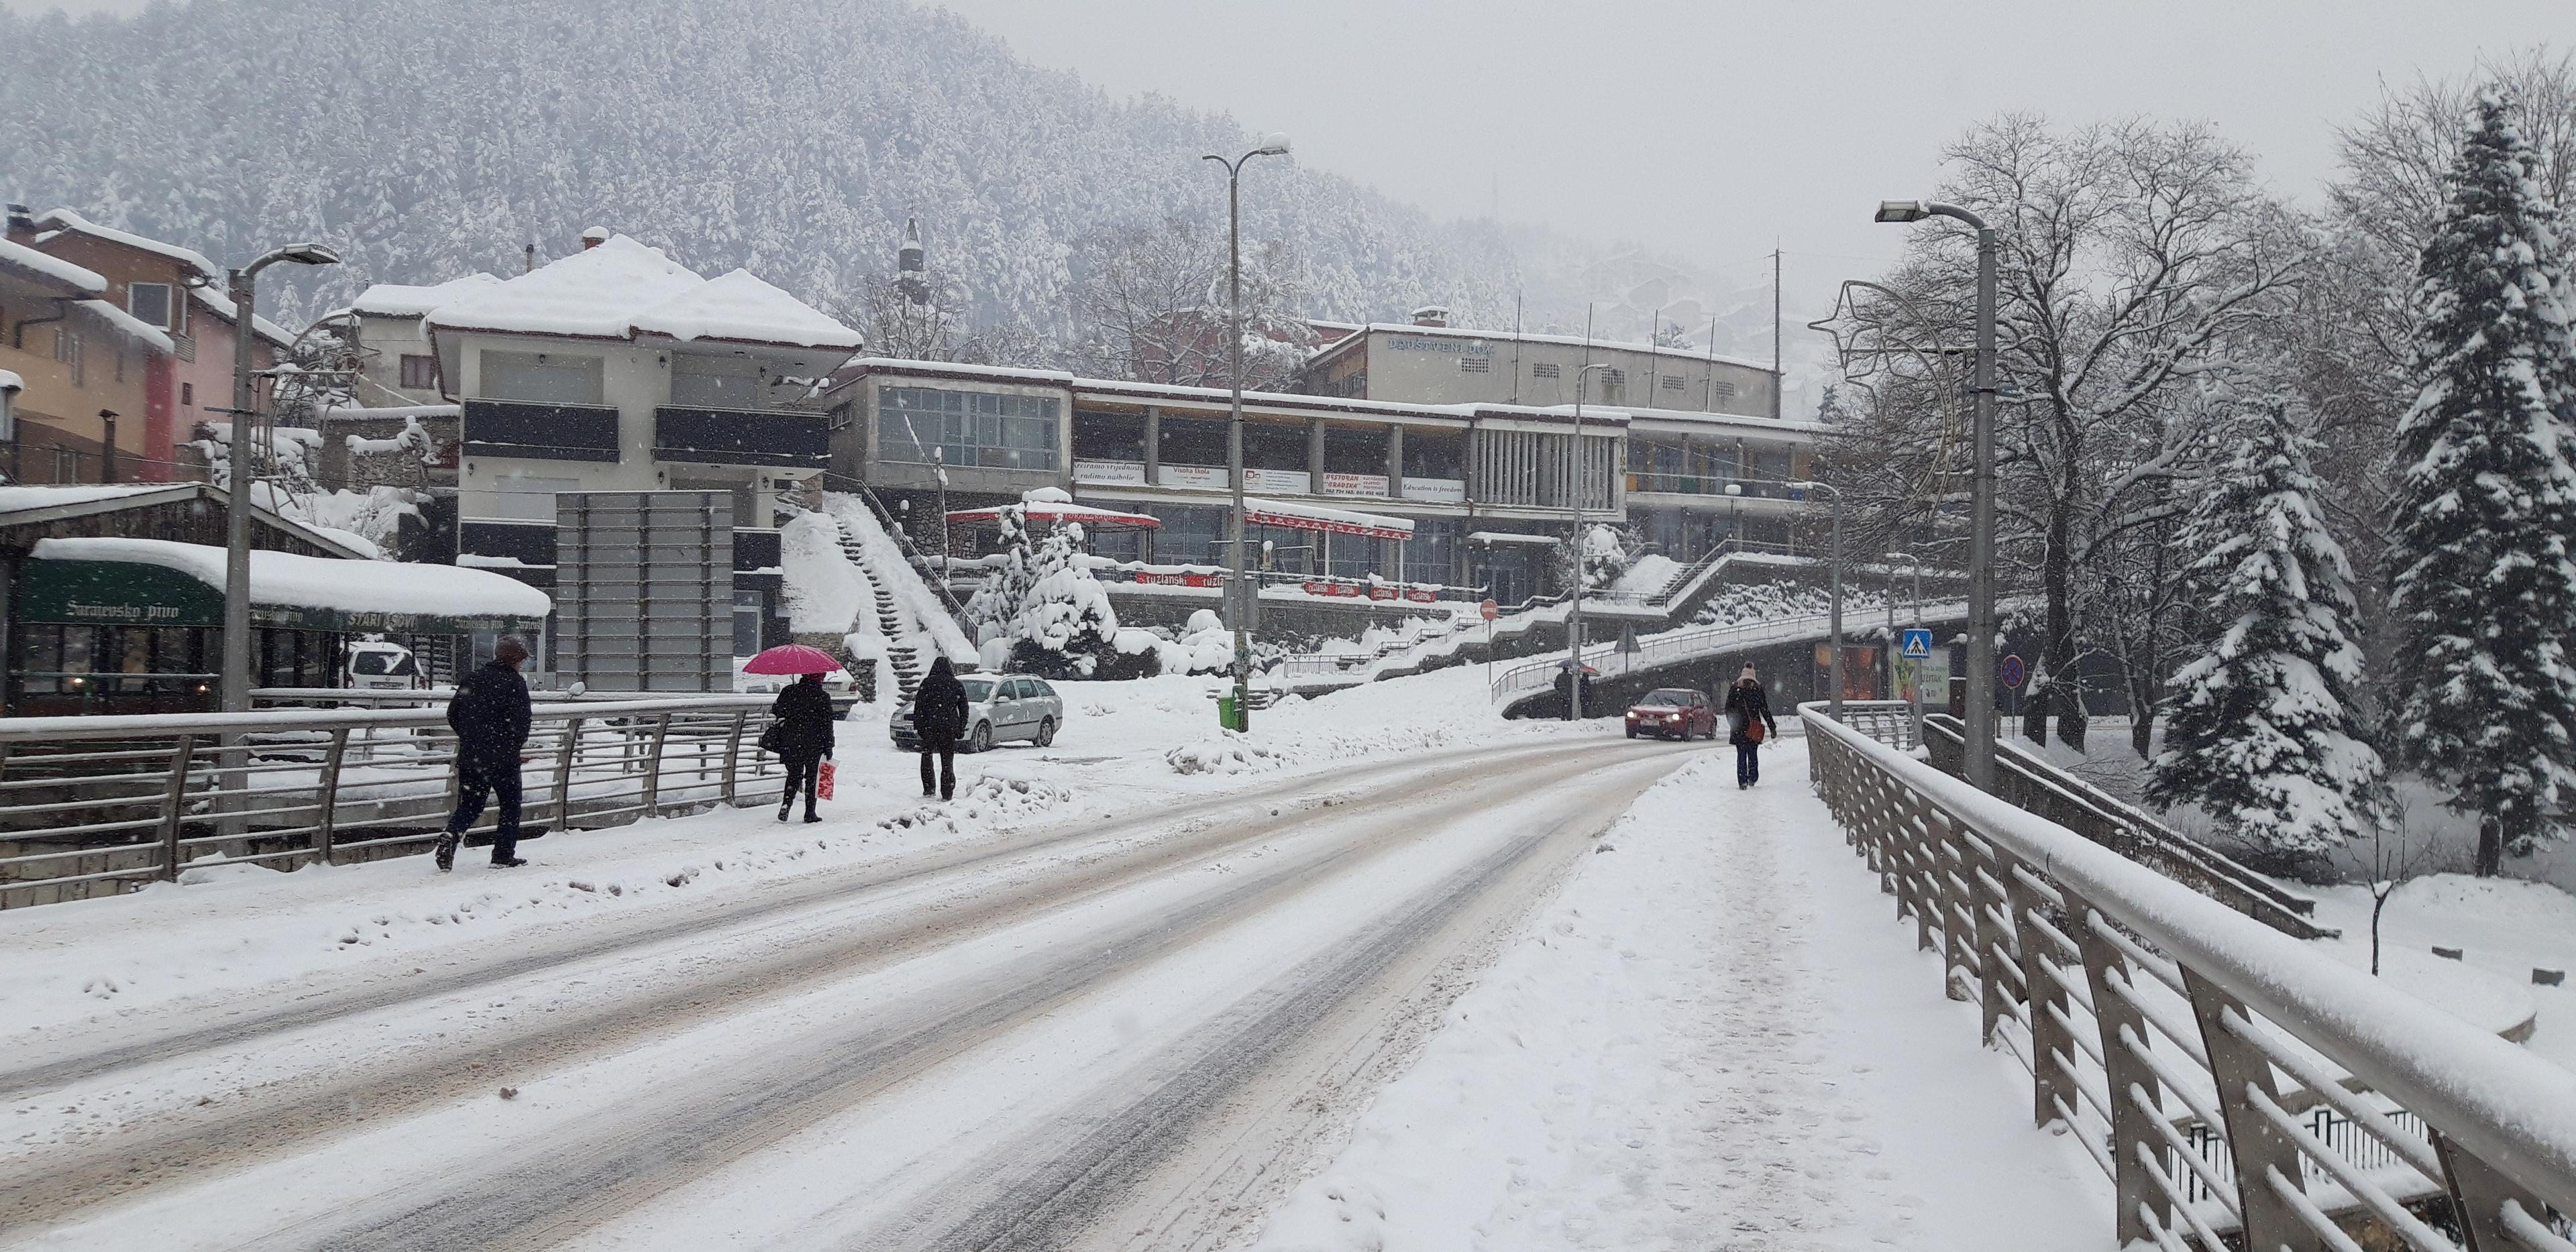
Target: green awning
140 582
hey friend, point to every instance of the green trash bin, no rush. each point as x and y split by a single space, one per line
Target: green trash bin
1229 714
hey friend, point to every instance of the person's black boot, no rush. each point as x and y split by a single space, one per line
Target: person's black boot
812 816
508 862
446 855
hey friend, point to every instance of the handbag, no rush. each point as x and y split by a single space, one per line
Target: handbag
1752 729
823 782
769 738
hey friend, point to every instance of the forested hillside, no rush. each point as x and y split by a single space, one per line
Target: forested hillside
790 136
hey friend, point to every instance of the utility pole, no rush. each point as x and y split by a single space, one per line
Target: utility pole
1775 334
1241 597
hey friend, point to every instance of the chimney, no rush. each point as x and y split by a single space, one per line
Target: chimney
22 223
1431 315
594 237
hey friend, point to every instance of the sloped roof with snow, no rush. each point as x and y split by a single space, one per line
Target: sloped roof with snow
54 269
399 300
621 289
213 294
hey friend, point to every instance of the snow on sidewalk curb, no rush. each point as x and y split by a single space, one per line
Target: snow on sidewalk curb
1715 1037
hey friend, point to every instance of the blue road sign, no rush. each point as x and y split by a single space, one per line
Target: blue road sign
1915 644
2010 671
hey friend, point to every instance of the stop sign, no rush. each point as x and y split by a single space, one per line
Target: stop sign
1489 610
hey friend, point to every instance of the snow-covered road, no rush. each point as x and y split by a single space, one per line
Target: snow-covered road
1120 1031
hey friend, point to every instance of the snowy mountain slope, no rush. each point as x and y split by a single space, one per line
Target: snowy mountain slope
791 137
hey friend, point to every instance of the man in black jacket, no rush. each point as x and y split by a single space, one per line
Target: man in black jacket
490 717
1748 718
939 712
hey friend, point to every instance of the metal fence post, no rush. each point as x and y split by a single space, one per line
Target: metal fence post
2257 1146
653 764
2125 1072
328 801
1993 935
2478 1196
2046 1000
733 755
567 754
174 794
1958 903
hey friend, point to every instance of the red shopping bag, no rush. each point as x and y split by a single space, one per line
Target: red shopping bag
823 782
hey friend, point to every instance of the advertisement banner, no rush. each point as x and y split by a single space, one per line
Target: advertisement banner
1355 485
1436 490
1112 473
1206 477
1295 482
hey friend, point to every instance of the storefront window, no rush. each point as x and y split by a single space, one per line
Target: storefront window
967 428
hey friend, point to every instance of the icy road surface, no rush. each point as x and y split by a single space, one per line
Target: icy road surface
1121 1032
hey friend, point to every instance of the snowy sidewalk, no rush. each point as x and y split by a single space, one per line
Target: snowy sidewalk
1718 1037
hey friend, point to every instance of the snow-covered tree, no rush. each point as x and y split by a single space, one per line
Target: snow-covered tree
2260 728
1608 551
1066 628
993 610
2484 518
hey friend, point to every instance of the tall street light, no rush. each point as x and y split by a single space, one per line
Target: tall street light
1241 598
238 491
1574 607
1980 754
1834 669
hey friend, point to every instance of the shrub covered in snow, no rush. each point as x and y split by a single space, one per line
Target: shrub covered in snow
1224 752
1771 601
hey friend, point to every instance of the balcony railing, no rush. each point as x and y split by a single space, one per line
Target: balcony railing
1096 472
1708 485
740 437
540 432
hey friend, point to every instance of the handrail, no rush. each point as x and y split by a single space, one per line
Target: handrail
95 805
1685 643
2051 931
911 551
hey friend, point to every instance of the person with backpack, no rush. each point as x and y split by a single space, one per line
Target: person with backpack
490 714
1749 722
802 738
939 713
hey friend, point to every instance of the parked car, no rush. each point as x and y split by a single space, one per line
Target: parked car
375 665
999 708
1673 713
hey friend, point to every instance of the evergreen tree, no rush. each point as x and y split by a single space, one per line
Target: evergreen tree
2485 509
2261 732
994 610
1066 626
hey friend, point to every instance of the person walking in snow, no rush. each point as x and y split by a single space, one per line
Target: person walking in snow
938 718
489 714
802 738
1749 722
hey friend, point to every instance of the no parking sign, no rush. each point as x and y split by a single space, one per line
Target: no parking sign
2011 672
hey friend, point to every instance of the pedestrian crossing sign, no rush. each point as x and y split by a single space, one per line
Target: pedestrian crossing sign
1915 644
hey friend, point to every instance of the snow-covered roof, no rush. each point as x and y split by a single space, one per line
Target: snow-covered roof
131 326
1302 516
1570 341
317 582
1511 537
1053 511
620 289
20 499
212 294
400 300
52 268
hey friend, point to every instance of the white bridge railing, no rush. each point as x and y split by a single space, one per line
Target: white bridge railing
94 805
2240 1089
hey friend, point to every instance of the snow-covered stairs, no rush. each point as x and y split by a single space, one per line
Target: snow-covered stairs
903 644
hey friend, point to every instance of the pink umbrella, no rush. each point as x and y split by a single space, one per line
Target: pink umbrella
792 658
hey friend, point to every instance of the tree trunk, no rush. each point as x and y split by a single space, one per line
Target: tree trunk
2142 731
2058 579
2490 845
2378 901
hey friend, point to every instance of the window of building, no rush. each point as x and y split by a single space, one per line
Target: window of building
1435 453
1193 440
187 394
542 377
746 623
1275 446
716 382
1614 386
1673 382
1543 369
67 350
420 373
978 428
1725 391
1108 436
1355 450
150 304
1475 365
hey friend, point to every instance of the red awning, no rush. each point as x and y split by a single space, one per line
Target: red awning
1092 518
1317 517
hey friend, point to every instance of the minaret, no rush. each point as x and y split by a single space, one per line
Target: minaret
908 263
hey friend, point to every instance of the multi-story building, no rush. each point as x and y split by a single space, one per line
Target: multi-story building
78 365
179 295
1431 362
619 369
1469 478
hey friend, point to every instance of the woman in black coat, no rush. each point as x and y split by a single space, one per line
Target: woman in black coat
1748 707
804 739
938 718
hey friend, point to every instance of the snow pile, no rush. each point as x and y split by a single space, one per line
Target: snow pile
1646 575
621 288
20 256
991 800
1225 752
823 592
1205 647
1774 601
739 306
402 300
369 519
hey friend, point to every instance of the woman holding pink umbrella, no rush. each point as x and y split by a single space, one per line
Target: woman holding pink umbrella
801 735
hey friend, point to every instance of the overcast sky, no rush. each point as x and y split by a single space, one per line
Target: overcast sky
1717 128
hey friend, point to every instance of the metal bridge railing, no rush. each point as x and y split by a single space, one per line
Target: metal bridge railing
2239 1089
1685 644
95 805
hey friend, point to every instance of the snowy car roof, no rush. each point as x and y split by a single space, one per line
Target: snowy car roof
621 289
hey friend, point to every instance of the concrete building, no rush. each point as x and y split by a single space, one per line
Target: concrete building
184 379
79 365
1430 362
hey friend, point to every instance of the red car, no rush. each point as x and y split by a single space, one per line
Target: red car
1673 713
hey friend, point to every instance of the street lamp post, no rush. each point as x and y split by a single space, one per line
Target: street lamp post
238 488
1574 606
1980 755
1834 627
1241 598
